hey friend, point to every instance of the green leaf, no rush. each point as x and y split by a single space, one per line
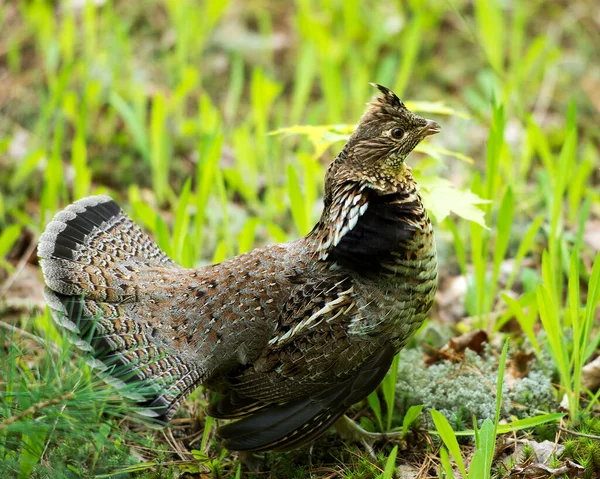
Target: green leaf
388 386
490 24
321 136
437 151
247 235
144 214
517 425
209 152
297 202
8 238
445 459
26 167
200 456
305 72
477 465
447 434
277 233
503 227
526 423
438 108
83 175
591 306
163 237
135 124
526 321
411 415
159 147
143 466
220 252
263 91
527 242
31 451
390 464
485 448
441 198
182 222
412 38
373 400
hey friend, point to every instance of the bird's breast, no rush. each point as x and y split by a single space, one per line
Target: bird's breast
399 293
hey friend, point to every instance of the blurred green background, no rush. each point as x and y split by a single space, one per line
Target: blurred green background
212 124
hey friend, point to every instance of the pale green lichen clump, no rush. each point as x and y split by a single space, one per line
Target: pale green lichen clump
461 390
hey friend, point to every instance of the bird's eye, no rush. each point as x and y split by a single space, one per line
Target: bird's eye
397 133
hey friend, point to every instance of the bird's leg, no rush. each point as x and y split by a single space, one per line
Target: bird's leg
353 432
251 461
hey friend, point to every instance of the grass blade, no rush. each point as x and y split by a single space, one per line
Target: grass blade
390 464
447 434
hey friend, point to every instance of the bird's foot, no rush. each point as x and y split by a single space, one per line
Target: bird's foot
251 461
353 432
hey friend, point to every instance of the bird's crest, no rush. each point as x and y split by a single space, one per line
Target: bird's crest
387 99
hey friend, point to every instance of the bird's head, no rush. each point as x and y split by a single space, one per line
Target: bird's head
375 152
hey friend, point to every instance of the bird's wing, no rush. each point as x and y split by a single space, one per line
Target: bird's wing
309 374
283 426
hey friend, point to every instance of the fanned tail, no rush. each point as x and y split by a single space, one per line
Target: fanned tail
92 255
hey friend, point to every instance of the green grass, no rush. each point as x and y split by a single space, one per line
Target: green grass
212 124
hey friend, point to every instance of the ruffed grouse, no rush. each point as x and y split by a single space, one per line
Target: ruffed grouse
291 334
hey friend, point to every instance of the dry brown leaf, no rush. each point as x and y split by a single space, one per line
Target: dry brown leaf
520 364
590 375
541 471
455 349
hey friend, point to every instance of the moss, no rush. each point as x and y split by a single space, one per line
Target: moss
585 450
527 453
531 393
466 389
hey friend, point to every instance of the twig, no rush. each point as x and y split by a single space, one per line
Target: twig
581 434
47 444
14 329
175 444
34 408
55 347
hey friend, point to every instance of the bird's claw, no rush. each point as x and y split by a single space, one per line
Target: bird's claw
353 432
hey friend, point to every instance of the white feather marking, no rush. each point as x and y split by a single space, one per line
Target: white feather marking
339 235
348 202
311 321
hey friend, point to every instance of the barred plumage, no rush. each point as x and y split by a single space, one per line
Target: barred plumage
292 334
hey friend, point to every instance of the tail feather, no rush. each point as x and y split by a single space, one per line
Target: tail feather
92 254
92 247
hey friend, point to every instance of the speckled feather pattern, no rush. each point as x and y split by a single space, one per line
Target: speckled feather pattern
291 334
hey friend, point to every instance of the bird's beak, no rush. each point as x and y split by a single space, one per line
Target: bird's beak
431 128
